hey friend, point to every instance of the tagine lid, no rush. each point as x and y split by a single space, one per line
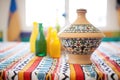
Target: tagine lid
80 28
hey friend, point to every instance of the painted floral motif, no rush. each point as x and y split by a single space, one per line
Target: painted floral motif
81 45
81 28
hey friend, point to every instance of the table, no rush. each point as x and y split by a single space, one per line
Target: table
18 63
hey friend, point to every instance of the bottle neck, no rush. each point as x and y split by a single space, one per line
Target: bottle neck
40 28
54 33
35 28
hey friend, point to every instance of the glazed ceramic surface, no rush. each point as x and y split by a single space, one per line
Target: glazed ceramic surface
81 28
80 39
82 46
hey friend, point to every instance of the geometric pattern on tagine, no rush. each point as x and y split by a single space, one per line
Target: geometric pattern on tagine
81 28
81 46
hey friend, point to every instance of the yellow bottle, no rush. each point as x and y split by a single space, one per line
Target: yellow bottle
55 47
33 37
48 38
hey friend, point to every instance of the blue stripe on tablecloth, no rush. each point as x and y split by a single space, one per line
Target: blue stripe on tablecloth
108 71
13 58
11 50
64 70
89 72
13 73
41 70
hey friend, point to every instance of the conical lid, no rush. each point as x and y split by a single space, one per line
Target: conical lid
80 28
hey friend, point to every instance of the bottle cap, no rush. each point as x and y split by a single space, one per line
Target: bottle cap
35 23
40 24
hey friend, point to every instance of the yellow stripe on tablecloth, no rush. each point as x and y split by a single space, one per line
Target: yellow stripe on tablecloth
48 76
1 75
110 64
99 73
21 72
72 73
50 72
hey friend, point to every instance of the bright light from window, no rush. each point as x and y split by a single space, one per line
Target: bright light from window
44 11
96 11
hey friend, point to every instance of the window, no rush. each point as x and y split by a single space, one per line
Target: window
46 11
96 11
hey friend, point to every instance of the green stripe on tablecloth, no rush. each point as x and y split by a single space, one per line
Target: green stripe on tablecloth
1 36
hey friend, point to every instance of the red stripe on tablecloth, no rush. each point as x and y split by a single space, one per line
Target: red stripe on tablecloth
4 72
110 61
1 51
113 45
79 72
12 66
53 74
101 74
13 53
27 73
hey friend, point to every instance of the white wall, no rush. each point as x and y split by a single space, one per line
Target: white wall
4 8
4 14
21 9
112 23
112 20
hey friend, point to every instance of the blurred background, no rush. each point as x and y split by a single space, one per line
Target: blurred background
17 16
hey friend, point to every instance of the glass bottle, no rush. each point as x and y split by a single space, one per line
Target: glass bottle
41 42
48 38
57 25
55 47
33 37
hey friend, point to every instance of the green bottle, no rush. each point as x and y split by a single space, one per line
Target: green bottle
57 25
41 42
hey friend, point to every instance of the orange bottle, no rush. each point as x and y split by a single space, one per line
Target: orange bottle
48 38
55 47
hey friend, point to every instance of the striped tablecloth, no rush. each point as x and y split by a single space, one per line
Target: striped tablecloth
17 63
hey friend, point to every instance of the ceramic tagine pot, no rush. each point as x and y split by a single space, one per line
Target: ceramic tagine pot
80 39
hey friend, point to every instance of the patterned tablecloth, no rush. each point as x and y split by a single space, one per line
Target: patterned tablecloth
17 63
